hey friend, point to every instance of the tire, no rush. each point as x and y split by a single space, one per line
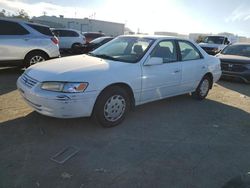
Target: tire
35 57
111 107
203 88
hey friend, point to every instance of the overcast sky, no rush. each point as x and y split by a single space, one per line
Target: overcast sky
182 16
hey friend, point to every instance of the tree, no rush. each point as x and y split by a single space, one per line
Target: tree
2 13
22 14
200 39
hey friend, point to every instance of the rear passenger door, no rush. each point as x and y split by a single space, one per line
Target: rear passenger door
13 41
193 65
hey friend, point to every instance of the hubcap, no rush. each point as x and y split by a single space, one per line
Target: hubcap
114 108
36 59
204 87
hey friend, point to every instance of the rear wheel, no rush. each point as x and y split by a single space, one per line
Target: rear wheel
111 106
203 88
35 57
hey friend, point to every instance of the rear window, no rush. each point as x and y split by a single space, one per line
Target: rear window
41 29
12 28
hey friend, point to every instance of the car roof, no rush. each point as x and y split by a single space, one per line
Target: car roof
66 29
153 36
17 20
215 36
105 37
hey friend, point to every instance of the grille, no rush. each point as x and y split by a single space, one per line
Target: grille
28 81
232 67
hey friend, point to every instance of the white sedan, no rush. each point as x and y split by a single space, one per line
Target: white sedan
126 72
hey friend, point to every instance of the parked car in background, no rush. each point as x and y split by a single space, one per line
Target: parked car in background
92 35
96 43
235 62
214 44
69 39
126 72
24 44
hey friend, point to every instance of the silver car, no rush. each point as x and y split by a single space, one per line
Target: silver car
24 44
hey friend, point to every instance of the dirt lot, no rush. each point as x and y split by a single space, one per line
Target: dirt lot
177 142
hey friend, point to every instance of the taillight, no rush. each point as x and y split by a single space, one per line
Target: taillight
55 40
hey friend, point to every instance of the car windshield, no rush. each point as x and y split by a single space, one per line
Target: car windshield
125 49
240 50
214 40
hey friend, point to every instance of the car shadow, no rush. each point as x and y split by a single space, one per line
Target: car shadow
8 78
240 87
159 112
34 138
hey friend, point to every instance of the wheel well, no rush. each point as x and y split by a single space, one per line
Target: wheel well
35 51
209 74
128 90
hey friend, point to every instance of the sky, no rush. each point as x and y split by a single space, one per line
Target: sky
181 16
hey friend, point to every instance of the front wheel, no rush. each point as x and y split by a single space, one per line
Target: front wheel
111 106
203 88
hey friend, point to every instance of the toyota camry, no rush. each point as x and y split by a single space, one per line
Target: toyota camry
124 73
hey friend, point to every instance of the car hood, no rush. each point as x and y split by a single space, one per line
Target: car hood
234 59
73 68
209 45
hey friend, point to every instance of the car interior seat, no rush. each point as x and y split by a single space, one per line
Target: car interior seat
138 49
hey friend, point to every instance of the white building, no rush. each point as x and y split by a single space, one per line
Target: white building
84 25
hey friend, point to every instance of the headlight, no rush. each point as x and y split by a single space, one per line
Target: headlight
74 87
67 87
52 86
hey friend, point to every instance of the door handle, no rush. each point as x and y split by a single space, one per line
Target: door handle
177 71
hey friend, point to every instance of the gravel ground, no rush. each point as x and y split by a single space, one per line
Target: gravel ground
176 142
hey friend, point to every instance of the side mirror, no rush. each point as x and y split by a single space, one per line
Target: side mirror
154 61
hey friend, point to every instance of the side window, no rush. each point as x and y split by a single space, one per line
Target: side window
12 28
73 34
165 50
188 51
64 33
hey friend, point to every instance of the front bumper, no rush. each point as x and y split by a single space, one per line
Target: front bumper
56 104
245 76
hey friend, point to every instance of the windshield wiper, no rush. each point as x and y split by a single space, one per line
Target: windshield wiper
104 56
